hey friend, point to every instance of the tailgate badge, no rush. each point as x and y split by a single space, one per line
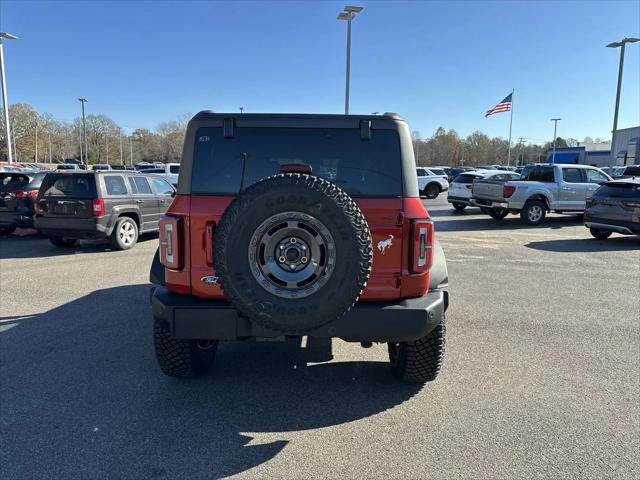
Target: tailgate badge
384 244
211 280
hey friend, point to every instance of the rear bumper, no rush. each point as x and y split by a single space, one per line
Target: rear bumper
628 228
484 203
189 317
460 200
22 219
94 227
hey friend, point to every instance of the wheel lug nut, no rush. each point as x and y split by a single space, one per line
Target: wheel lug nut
292 267
303 259
281 247
281 259
293 240
303 247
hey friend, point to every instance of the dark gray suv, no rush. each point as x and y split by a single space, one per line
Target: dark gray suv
101 204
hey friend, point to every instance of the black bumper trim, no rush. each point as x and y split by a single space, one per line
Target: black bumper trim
189 317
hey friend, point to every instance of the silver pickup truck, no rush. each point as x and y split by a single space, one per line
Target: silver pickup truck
541 189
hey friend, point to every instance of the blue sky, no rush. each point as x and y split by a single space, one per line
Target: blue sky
435 63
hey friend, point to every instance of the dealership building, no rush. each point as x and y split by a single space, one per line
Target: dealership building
625 150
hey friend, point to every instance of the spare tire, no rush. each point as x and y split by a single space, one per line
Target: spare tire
293 252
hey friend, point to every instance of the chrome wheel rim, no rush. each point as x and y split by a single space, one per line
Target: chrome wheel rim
535 213
127 233
292 255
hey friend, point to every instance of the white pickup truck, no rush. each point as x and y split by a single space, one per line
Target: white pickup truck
542 188
169 172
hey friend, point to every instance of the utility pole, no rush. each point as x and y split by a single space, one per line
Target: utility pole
49 147
80 132
521 141
36 157
555 129
121 162
82 100
106 141
620 44
5 102
131 150
348 14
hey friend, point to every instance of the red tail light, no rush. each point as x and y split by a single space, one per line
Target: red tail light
98 207
170 247
421 246
507 191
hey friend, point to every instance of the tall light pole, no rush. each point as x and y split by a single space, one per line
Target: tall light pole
84 132
620 44
5 102
348 14
131 150
555 130
121 162
36 157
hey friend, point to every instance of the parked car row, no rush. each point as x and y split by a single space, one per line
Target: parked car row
608 205
71 205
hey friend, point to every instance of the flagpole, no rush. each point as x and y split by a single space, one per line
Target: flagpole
510 125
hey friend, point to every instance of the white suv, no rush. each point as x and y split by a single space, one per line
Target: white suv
431 184
460 191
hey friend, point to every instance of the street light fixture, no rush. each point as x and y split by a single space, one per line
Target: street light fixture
555 130
348 14
620 67
84 132
5 102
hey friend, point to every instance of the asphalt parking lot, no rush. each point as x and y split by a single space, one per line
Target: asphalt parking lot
541 376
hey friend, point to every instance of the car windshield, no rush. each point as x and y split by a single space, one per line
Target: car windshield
361 168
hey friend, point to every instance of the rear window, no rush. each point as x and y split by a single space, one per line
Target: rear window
618 190
540 174
437 171
174 169
465 178
12 181
635 170
66 167
63 185
360 167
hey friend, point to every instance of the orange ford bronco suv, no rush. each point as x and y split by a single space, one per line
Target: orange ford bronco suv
287 225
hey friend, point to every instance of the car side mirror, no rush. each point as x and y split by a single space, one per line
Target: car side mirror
173 193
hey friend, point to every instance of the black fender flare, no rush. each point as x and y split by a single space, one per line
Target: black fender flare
156 274
439 275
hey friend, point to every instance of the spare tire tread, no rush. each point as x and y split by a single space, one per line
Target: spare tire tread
247 198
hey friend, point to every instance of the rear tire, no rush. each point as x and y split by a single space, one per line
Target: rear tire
125 234
432 190
7 230
498 213
182 358
600 234
533 213
420 360
62 242
459 206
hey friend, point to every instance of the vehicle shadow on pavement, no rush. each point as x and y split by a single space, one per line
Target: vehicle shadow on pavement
39 246
613 244
511 222
82 396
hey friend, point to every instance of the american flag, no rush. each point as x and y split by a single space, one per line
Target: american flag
503 106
